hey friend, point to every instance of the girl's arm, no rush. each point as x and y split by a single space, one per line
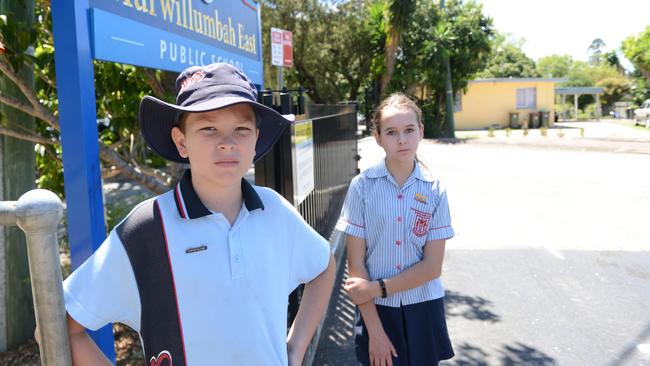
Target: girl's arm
430 267
314 300
380 346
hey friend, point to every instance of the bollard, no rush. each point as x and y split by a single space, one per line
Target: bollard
38 213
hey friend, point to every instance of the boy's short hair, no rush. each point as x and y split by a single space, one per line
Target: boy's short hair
203 89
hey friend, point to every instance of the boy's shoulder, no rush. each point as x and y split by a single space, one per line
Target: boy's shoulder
141 217
272 200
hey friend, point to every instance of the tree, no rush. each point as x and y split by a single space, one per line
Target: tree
615 84
554 66
399 15
463 32
508 59
595 51
637 49
119 89
332 46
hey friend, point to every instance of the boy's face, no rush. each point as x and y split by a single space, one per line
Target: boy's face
220 144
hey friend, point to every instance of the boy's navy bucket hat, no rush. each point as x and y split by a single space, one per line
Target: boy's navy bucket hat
202 89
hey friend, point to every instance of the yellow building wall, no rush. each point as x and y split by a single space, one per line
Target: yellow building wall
490 103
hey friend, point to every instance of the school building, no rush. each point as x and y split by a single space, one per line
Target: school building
489 102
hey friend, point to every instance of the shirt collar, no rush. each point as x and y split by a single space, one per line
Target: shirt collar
190 206
380 170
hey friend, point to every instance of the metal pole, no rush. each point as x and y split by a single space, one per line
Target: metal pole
449 91
38 213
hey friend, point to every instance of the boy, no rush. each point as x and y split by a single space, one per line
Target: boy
203 272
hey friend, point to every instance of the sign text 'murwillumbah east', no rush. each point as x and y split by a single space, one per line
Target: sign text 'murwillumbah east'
174 34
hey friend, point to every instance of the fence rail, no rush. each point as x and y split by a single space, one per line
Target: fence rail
335 164
38 213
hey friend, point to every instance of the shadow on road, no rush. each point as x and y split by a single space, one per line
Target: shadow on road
469 307
630 350
510 355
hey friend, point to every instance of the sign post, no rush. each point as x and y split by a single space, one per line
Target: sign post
167 34
281 52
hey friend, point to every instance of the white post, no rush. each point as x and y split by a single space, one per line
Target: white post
575 105
598 110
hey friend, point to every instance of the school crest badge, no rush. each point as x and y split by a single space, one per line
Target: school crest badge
164 359
421 223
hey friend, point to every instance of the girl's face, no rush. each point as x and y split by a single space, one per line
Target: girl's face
399 134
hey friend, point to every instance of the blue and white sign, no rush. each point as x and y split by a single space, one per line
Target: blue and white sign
175 34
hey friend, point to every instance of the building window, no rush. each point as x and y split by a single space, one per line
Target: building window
457 101
526 98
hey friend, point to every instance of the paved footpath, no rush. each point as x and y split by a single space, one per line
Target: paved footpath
551 262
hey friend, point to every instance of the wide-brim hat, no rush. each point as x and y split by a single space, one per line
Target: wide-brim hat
203 89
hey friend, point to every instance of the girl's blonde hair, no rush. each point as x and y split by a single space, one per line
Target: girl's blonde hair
399 101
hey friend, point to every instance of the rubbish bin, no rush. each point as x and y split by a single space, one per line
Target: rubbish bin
514 120
545 117
534 120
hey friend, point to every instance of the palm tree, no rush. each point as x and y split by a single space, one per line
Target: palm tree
399 12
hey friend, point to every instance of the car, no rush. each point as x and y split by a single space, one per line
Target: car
642 114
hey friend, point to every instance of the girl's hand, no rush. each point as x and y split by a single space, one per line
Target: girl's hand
361 290
381 350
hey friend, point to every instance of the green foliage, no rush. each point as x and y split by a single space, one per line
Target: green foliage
508 60
614 88
119 89
334 45
637 49
460 32
554 66
640 88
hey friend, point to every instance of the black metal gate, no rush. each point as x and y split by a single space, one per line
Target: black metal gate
335 164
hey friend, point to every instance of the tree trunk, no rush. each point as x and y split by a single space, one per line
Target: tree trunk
390 52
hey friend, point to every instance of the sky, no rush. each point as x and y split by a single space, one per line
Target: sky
568 26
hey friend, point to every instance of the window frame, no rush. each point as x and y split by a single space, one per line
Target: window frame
529 98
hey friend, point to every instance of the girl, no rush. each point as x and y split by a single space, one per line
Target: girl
397 220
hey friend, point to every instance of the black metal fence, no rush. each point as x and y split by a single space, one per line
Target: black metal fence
335 164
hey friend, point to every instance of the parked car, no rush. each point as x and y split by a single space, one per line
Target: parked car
642 114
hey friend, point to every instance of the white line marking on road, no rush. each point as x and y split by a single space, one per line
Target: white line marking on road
555 253
128 41
643 348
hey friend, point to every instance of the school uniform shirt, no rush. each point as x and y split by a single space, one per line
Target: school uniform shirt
396 223
198 290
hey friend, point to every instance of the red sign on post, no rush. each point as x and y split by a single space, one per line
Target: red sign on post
281 47
287 48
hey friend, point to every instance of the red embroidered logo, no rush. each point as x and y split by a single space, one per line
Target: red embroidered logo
195 78
421 224
159 361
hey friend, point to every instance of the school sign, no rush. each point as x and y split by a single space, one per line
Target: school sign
161 34
175 34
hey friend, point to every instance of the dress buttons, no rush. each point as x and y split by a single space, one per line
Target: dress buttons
399 218
399 267
399 242
399 196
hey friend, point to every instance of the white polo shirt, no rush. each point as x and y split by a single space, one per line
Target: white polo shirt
227 293
396 222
